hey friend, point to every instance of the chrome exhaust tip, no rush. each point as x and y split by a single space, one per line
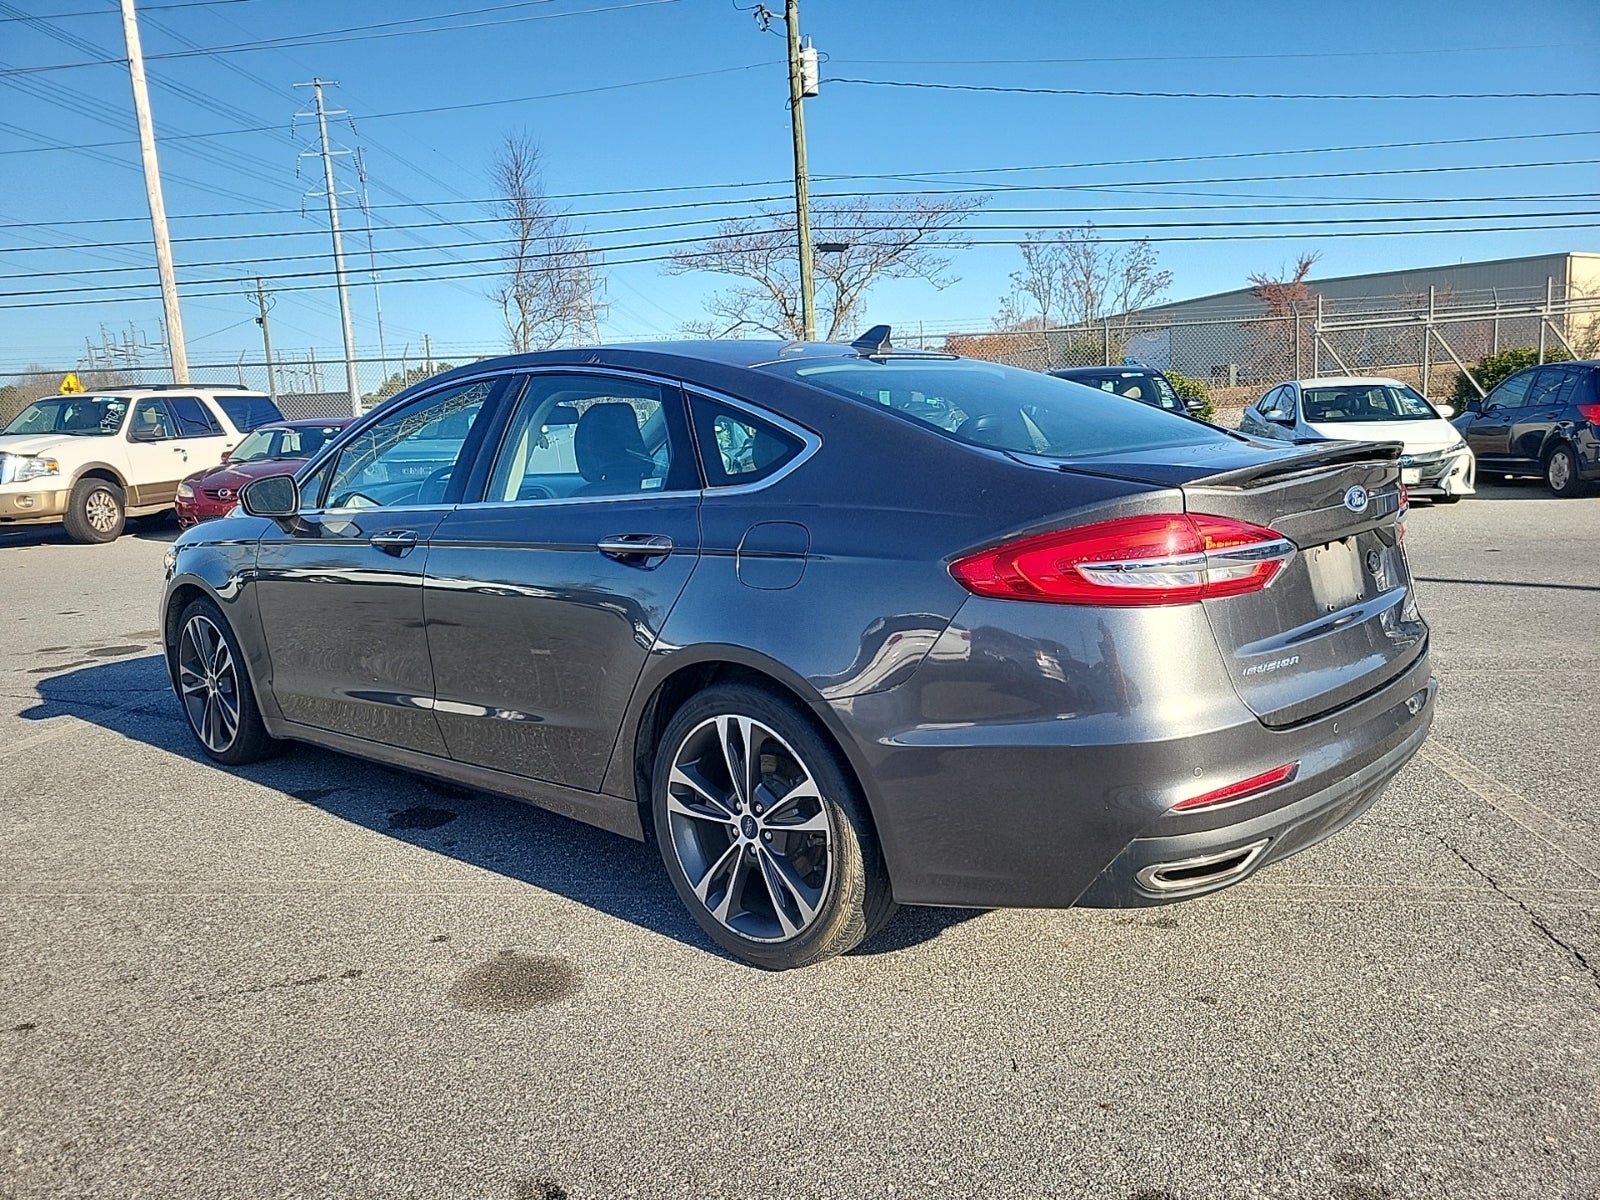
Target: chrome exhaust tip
1201 872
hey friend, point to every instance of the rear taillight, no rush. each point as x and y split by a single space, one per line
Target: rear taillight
1591 413
1174 558
1242 790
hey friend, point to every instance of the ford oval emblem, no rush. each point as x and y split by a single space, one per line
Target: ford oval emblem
1355 499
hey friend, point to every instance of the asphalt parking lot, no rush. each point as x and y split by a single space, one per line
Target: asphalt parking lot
320 978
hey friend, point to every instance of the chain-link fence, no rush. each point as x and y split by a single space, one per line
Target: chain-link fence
305 387
1420 341
1425 341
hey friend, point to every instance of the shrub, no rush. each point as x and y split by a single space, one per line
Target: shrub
1492 368
1192 389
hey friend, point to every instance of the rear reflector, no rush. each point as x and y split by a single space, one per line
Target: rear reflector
1242 790
1172 558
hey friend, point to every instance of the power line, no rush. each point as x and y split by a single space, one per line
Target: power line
1014 89
329 37
961 245
106 12
863 212
958 243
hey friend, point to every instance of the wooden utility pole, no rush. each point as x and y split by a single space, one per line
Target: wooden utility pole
802 187
351 381
266 335
152 190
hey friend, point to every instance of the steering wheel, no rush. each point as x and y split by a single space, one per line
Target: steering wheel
441 479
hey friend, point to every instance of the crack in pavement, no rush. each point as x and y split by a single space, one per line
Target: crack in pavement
1538 922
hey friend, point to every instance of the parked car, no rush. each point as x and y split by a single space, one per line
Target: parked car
1144 384
1435 462
90 461
268 450
1541 421
764 606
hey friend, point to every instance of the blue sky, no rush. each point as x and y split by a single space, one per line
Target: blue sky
431 106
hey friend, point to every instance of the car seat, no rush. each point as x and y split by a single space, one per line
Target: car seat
610 450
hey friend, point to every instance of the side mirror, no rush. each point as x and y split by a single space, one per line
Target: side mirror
226 455
1445 410
1194 407
1280 418
274 496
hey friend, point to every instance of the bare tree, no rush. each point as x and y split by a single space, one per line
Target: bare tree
1270 341
881 238
548 281
1071 277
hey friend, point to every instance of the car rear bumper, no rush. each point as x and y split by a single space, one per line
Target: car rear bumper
1034 801
25 506
1162 869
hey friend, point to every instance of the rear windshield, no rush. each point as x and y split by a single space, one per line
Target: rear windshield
249 412
1366 402
1006 408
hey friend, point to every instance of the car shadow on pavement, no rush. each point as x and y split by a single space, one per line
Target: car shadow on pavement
600 870
162 527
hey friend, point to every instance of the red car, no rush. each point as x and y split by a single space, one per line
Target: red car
269 450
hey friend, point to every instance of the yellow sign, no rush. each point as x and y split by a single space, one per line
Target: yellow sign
70 385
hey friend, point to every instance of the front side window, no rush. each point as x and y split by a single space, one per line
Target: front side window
1365 402
738 448
574 437
191 417
151 422
79 416
410 456
1510 394
1004 408
1278 404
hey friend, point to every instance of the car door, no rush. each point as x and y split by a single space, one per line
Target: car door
157 458
1278 414
1489 433
199 433
545 597
1549 395
339 587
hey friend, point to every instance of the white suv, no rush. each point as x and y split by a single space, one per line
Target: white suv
92 460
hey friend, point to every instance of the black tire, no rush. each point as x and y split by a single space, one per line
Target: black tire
96 511
1561 473
813 883
213 688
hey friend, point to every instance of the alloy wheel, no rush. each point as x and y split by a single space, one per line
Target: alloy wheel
748 825
100 509
208 681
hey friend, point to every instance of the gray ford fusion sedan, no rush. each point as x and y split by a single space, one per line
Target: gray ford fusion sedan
839 627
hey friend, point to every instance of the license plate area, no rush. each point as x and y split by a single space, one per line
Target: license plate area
1335 570
1411 475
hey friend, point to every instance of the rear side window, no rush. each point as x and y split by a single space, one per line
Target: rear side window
1005 408
249 412
192 418
1554 387
738 448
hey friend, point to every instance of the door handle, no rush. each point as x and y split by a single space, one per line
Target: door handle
636 548
397 542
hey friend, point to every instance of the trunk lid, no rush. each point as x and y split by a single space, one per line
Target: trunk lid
1341 620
